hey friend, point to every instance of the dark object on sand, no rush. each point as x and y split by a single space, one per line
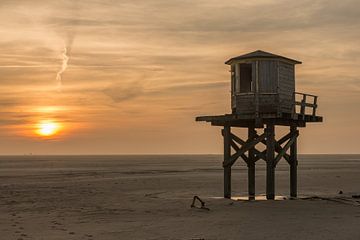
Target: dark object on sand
263 96
356 196
201 201
340 192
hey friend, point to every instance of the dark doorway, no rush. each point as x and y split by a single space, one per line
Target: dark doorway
245 77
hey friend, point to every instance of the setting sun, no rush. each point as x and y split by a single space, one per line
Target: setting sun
48 128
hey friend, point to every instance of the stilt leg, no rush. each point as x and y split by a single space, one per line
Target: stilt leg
251 166
270 165
293 166
227 154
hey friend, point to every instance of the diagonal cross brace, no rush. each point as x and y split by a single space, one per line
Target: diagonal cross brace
278 147
237 139
236 148
286 147
244 148
285 138
259 155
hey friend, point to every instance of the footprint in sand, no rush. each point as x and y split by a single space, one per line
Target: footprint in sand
89 236
56 223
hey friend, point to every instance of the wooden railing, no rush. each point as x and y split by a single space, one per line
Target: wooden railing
306 102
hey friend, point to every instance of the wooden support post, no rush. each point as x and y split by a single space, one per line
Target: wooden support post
293 165
251 165
227 155
270 164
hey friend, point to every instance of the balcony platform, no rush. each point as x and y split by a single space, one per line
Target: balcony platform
246 120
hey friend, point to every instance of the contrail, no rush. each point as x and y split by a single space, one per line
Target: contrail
65 59
68 36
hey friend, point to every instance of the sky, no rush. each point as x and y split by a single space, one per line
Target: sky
139 72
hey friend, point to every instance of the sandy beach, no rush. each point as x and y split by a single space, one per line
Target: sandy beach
149 197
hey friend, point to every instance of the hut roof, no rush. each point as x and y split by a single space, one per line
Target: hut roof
260 54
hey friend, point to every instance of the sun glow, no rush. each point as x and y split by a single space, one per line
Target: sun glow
48 128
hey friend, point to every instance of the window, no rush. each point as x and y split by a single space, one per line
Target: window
245 77
241 78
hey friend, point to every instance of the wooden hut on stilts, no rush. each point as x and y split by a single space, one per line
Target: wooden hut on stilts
263 96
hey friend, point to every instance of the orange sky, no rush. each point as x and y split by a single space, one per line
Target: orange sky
140 71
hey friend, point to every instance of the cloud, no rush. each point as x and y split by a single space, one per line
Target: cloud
124 92
120 93
185 88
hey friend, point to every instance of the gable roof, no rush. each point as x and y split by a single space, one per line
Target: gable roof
260 54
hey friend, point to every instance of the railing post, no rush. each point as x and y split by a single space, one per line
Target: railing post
315 106
303 104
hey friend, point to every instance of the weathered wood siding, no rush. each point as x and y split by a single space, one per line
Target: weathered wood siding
268 76
245 103
237 78
286 86
268 103
253 77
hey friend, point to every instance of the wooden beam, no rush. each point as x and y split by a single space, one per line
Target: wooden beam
244 121
278 149
236 148
307 94
245 158
294 134
293 164
303 102
270 166
258 154
284 138
227 154
237 139
315 106
248 144
251 164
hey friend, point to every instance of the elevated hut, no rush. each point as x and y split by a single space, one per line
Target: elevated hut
262 96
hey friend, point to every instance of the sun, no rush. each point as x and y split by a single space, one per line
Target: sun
47 128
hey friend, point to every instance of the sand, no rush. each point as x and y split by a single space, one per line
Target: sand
149 197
